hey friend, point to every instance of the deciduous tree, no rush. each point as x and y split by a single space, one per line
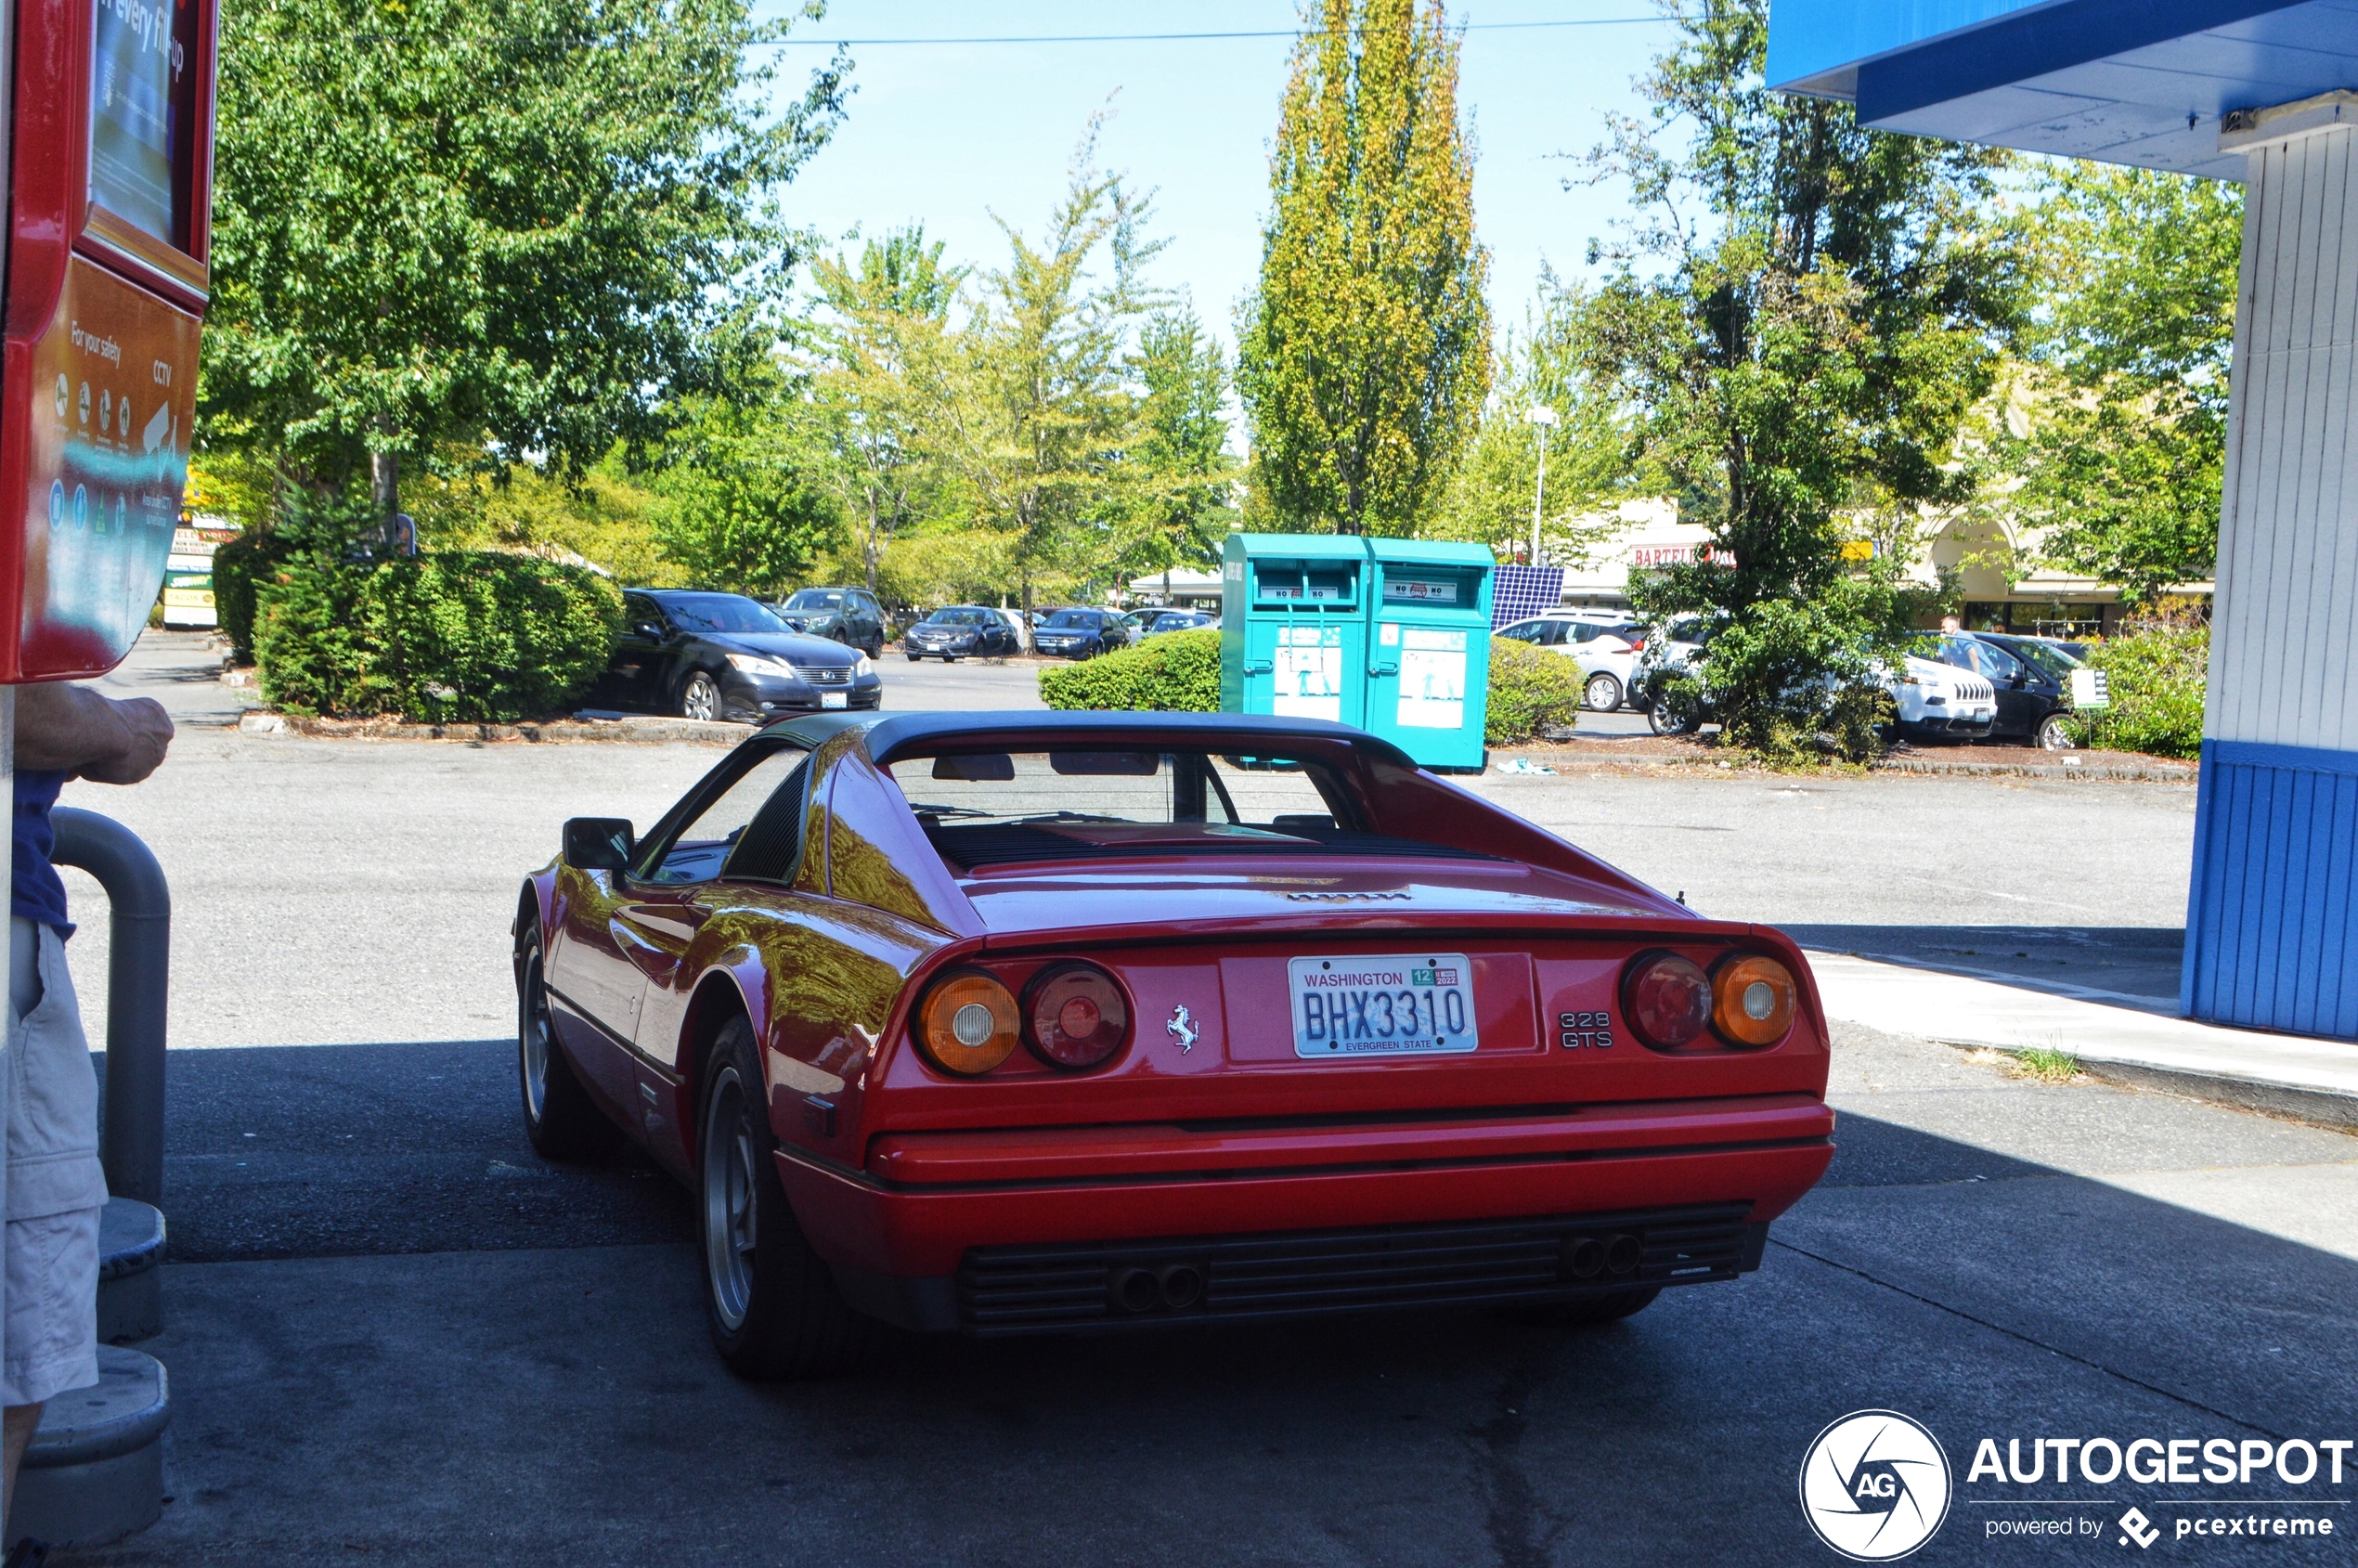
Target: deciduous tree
1364 355
512 226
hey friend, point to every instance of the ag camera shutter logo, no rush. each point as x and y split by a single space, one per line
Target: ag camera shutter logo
1875 1485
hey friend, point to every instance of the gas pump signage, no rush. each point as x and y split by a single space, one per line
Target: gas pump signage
111 164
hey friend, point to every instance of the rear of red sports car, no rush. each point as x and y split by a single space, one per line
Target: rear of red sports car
1238 1022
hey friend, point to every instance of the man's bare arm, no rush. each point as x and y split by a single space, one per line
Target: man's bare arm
74 730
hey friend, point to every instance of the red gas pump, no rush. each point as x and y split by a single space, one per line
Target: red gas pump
110 171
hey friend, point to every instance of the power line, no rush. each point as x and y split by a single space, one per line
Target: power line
1169 37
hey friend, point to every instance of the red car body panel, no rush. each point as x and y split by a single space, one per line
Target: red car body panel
897 1171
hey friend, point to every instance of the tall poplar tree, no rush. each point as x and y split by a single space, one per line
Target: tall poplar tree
1364 356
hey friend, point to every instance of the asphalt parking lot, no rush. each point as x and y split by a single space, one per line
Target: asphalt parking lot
397 1336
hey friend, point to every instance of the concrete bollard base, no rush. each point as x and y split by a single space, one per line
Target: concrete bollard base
95 1472
130 1271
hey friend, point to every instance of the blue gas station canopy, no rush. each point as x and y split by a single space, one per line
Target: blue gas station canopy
2141 82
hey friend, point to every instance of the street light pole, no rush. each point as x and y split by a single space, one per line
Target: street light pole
1545 418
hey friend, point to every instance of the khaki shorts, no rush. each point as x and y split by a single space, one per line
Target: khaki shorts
55 1186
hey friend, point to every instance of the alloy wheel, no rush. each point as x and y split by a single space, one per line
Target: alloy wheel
729 1235
701 699
1603 694
2053 735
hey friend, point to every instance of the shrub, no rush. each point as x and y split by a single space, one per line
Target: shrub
1177 672
2155 680
1530 690
1794 681
239 567
476 636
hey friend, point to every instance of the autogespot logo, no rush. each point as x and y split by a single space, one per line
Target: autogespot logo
1874 1485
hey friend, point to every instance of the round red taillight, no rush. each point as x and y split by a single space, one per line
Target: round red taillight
1075 1016
1667 1000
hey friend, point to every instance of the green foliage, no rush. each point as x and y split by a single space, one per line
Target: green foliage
437 223
1793 679
1364 355
1530 690
1489 500
1178 469
2124 461
1817 311
602 516
2156 679
1178 672
456 636
238 567
737 507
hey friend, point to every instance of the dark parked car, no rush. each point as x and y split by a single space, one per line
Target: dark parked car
2033 679
1079 634
722 655
848 615
961 631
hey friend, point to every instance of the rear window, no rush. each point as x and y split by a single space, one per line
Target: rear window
981 808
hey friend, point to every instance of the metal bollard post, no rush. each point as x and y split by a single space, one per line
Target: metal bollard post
138 970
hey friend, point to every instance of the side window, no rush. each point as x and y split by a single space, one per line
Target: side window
1996 663
700 849
638 607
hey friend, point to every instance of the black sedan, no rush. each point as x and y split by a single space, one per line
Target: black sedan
722 655
960 631
1080 634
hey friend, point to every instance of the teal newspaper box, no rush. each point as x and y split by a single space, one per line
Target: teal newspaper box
1391 635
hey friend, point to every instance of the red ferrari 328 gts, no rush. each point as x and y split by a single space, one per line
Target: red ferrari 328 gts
1010 1022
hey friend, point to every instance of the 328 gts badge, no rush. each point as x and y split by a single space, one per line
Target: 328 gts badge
1590 1031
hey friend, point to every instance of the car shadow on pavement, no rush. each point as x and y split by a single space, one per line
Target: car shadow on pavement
529 1379
2133 961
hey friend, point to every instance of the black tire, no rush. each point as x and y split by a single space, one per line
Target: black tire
560 1118
1601 693
1668 718
914 657
699 696
772 1303
2053 734
948 658
1607 1306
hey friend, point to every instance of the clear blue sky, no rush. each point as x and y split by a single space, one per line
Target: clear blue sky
952 133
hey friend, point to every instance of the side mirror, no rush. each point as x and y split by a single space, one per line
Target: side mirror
649 630
598 843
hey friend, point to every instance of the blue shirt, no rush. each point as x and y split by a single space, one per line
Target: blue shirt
37 892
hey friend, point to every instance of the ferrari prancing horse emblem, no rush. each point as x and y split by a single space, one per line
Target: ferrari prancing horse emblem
1182 1027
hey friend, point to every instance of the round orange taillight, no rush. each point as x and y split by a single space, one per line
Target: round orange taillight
968 1023
1076 1015
1752 1000
1666 998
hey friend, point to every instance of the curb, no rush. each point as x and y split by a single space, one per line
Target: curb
642 732
2139 771
2321 1105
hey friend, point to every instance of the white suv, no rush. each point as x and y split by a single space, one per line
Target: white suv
1605 645
1935 699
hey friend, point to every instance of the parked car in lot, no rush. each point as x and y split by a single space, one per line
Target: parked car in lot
1929 700
1178 620
2030 677
1080 633
1605 647
905 1003
722 655
848 615
960 632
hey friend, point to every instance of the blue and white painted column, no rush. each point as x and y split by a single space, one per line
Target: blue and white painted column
2271 942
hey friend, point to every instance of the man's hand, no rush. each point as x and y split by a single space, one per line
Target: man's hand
74 730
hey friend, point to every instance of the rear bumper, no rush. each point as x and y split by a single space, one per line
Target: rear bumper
930 1205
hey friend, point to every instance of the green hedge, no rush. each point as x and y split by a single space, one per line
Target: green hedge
1177 672
1529 688
2155 680
239 568
461 636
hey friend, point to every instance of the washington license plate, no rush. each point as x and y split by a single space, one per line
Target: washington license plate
834 699
1417 1005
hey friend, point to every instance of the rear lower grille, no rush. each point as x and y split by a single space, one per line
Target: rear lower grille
1013 1290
